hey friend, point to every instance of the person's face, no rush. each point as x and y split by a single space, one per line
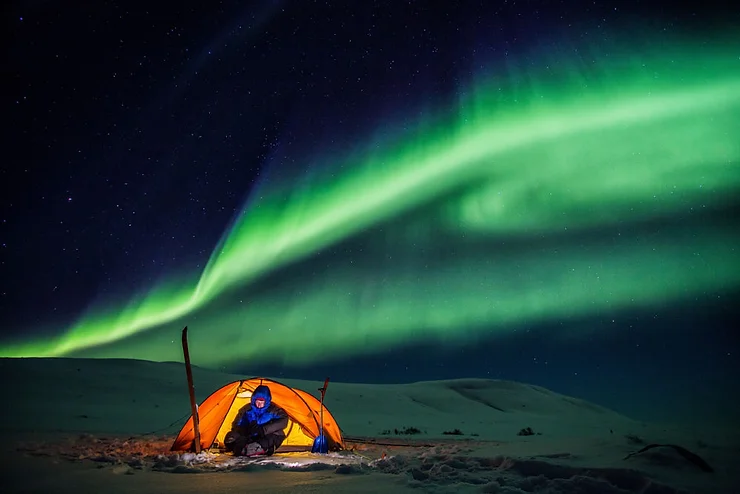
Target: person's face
259 403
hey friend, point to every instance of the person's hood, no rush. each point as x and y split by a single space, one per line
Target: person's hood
263 392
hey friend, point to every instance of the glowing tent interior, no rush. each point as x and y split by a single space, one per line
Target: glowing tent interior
217 413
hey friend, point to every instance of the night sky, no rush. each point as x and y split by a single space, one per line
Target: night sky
379 191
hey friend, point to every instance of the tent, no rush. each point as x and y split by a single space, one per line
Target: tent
223 407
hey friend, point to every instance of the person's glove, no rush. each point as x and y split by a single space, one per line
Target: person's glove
230 437
230 440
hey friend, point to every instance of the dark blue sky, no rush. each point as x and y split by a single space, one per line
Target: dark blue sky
137 129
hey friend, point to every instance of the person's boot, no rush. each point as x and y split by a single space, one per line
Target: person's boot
253 449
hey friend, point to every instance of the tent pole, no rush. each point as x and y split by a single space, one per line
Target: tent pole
191 389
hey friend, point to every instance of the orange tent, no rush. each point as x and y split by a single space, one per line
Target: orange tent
220 410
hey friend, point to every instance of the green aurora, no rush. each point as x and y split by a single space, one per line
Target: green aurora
577 190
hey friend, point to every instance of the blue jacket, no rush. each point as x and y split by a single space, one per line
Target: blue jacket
271 419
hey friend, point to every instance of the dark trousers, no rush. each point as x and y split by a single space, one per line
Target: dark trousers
269 443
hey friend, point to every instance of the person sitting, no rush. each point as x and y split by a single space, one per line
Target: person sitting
258 427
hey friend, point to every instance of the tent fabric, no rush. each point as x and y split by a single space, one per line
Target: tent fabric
223 407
